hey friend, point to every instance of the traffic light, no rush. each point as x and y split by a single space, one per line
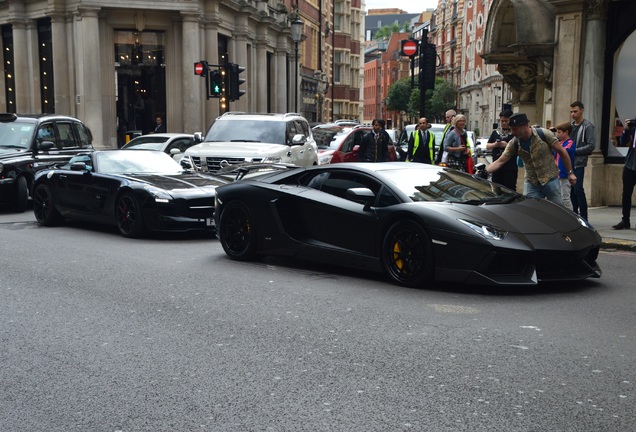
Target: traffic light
235 81
428 63
215 85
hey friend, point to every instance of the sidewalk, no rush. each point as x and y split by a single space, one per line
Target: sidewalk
602 218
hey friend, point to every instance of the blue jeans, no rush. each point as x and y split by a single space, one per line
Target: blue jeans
550 191
579 201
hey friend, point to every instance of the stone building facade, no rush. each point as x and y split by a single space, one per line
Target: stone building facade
115 64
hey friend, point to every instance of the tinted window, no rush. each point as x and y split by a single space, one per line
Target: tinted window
67 138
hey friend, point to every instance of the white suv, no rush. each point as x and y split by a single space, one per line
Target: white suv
237 137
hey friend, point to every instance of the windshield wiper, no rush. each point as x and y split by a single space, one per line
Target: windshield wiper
244 140
12 146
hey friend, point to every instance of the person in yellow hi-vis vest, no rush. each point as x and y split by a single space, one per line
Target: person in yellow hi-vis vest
421 146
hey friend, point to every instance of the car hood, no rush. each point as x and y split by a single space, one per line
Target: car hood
235 149
528 216
183 182
8 153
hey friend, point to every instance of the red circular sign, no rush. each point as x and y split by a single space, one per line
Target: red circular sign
198 68
409 48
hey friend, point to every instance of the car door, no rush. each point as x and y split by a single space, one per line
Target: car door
304 154
351 145
329 216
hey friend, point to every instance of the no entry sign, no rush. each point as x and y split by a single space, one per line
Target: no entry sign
409 47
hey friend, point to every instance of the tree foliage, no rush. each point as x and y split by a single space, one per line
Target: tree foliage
438 100
386 31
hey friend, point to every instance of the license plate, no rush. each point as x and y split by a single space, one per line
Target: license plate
209 222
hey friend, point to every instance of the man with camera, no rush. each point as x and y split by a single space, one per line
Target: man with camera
507 174
628 138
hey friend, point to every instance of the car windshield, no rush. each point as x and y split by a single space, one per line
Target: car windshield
16 135
146 139
129 162
325 135
267 132
143 146
447 185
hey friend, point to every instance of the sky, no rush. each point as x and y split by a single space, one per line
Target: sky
411 6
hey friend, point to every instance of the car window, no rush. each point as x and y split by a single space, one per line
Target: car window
83 135
303 128
15 134
46 132
268 132
180 143
67 138
336 183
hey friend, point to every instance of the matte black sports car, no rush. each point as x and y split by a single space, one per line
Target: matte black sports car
414 222
134 190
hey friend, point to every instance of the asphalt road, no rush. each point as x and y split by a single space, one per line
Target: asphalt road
102 333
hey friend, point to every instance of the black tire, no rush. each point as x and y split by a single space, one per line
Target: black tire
43 208
128 216
21 197
407 255
237 232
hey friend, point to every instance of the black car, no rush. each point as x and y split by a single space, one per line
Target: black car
415 222
134 190
29 143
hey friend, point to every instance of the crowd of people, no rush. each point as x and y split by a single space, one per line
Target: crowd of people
554 158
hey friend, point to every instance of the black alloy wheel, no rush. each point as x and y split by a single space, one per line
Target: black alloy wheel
45 212
237 232
128 216
407 255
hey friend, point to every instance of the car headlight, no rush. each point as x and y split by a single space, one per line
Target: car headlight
160 195
272 159
488 231
585 223
325 159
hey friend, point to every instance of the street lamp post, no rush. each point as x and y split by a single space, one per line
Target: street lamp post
296 34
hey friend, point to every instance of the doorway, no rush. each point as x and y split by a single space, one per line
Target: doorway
140 82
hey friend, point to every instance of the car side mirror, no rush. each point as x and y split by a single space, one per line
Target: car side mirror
174 151
185 163
198 137
46 145
299 139
361 195
79 166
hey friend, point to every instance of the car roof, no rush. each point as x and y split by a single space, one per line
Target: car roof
275 117
34 118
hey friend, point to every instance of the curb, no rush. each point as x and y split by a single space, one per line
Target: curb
617 244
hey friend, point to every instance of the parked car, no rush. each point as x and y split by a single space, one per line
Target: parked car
345 144
237 137
32 142
416 223
136 191
173 144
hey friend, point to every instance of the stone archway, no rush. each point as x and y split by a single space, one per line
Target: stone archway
519 38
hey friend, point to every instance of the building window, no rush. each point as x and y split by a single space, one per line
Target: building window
45 52
9 70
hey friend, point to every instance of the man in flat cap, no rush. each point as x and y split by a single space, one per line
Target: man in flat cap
535 147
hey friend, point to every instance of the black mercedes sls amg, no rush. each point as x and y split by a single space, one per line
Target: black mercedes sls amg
134 190
416 223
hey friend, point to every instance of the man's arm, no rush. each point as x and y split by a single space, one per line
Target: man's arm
565 158
589 140
508 153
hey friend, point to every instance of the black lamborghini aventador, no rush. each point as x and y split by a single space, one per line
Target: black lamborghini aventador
416 223
134 190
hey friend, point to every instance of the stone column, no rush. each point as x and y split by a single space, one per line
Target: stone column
262 83
592 97
23 74
193 86
89 75
61 73
280 83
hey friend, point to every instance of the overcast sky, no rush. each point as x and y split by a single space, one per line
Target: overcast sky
411 6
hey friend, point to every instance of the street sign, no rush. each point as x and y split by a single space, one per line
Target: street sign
409 47
199 68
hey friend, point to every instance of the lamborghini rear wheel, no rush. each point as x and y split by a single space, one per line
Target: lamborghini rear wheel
237 232
407 254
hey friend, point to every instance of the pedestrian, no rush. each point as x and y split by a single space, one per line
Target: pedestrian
449 117
584 138
507 174
628 138
375 145
455 144
161 127
421 146
563 135
535 147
